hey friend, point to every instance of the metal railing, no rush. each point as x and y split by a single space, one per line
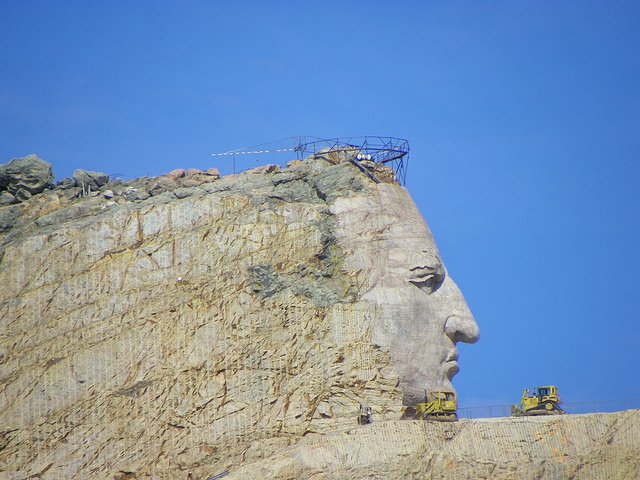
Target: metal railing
390 151
378 149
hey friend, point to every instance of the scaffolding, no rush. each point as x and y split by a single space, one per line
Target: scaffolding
383 150
389 151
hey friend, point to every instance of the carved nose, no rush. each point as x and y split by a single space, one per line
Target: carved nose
462 329
460 326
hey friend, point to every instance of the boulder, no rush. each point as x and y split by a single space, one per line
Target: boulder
23 194
135 194
66 183
214 172
160 185
30 174
177 173
93 180
271 168
195 177
7 199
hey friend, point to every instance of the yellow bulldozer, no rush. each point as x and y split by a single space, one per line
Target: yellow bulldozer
440 406
541 401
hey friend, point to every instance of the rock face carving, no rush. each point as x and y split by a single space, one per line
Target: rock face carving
185 332
419 312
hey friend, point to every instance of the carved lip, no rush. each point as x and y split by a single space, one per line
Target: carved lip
452 356
451 367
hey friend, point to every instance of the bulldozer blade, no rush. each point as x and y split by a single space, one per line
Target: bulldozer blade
442 418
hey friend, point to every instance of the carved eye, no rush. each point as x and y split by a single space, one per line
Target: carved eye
426 279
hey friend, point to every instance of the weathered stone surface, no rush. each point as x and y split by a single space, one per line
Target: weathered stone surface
264 169
161 184
586 447
25 176
7 199
214 172
177 173
382 173
66 183
206 327
90 180
22 194
151 312
8 217
134 194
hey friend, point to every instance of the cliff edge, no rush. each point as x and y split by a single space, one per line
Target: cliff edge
188 325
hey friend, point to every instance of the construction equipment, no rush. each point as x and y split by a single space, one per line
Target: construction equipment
439 406
541 401
365 415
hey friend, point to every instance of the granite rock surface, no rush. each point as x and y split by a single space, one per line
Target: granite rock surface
167 327
586 447
23 177
186 325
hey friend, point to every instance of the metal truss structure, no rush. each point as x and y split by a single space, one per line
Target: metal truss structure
389 151
384 150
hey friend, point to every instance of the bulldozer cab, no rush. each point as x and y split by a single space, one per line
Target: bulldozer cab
438 406
441 398
543 391
548 393
541 400
543 394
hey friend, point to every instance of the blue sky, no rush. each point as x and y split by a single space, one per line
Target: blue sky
522 116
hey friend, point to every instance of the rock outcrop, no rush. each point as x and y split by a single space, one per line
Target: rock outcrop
185 325
214 313
90 180
23 177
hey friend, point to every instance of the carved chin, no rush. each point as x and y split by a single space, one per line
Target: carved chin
414 391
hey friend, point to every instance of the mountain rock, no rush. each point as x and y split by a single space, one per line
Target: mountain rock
190 325
24 177
586 447
7 199
90 180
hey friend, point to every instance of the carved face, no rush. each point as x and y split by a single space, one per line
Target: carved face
420 313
